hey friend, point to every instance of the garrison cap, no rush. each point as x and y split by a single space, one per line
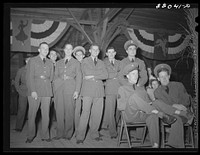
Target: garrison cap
129 43
161 67
130 67
78 48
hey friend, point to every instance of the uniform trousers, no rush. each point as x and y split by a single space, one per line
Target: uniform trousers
152 122
77 112
109 114
92 112
176 134
64 106
34 105
22 105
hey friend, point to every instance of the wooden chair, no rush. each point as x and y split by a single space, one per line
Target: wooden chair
188 130
127 127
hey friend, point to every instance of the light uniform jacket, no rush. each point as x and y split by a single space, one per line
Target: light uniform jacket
39 76
72 71
177 94
93 87
20 82
142 71
127 103
112 83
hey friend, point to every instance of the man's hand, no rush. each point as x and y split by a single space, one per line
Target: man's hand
75 96
179 107
34 95
155 111
89 77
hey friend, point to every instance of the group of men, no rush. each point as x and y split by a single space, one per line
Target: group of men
79 86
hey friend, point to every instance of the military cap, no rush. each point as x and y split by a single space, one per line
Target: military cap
130 67
160 67
129 43
78 48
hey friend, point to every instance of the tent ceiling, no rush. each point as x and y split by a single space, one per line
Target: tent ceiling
147 18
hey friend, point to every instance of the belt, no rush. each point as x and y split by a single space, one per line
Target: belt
64 77
42 77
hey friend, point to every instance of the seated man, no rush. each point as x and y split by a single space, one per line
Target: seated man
135 102
176 101
153 85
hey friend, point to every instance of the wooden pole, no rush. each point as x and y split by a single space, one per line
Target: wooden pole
81 28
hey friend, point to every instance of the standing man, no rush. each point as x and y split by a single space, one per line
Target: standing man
111 90
53 57
39 77
79 53
67 84
94 71
131 48
20 85
176 100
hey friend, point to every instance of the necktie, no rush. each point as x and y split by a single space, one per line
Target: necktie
167 89
112 63
66 61
132 60
44 60
95 61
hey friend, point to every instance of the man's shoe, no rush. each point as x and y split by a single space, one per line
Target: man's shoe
18 130
79 142
47 140
113 137
98 139
29 140
169 119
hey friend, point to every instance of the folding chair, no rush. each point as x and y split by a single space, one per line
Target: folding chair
187 127
127 127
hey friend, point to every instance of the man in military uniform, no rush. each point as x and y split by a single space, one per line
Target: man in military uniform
94 71
131 48
111 90
67 84
39 77
79 53
20 85
135 102
176 100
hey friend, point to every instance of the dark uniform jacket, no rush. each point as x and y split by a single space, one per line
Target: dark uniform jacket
20 82
142 71
39 76
93 87
112 83
71 70
177 94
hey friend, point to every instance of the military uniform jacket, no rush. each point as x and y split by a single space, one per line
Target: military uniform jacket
20 82
93 87
73 71
112 83
127 102
177 94
39 76
142 71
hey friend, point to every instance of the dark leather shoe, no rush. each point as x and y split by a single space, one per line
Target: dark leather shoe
18 130
47 140
29 140
113 137
98 139
79 142
169 119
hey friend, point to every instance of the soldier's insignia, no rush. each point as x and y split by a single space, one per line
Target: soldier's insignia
119 96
